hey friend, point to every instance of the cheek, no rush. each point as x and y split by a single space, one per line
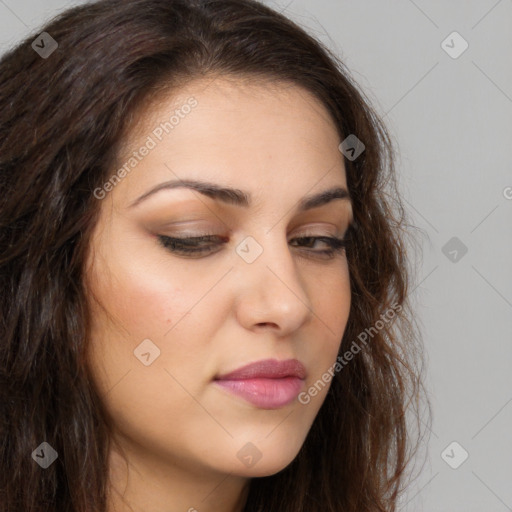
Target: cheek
149 300
331 310
145 305
332 292
138 289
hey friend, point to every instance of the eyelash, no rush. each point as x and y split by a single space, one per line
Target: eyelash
189 245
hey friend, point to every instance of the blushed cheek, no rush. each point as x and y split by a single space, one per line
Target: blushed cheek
142 302
146 305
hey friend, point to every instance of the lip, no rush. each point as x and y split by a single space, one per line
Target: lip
267 384
267 369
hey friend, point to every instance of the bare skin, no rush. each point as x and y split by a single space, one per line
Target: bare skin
212 313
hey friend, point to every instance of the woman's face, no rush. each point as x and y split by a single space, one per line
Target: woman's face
172 322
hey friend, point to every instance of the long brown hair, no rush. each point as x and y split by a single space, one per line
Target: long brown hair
63 119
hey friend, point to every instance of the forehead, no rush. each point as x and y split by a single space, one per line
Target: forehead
259 135
239 99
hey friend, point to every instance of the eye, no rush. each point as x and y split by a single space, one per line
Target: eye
334 245
194 246
204 245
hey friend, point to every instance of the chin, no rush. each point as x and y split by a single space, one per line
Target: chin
261 470
271 460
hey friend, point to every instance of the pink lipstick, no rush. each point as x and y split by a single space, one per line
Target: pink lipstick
267 384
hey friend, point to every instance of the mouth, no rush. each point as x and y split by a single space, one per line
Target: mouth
267 384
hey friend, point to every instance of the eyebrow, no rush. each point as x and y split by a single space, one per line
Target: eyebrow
238 197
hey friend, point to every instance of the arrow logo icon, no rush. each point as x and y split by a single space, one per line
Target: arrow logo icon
351 147
249 254
147 352
454 45
249 455
44 455
44 45
454 455
454 249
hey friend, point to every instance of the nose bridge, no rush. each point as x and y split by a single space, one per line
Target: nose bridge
272 290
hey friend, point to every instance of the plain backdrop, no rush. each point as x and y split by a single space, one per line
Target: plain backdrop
450 112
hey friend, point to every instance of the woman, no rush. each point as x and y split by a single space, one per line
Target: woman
205 280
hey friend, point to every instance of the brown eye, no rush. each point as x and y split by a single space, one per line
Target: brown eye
196 245
335 245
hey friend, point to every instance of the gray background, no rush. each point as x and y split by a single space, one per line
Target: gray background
452 120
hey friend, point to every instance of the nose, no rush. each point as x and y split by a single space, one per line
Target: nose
271 293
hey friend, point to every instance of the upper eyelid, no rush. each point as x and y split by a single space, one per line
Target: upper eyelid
219 239
206 231
305 234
